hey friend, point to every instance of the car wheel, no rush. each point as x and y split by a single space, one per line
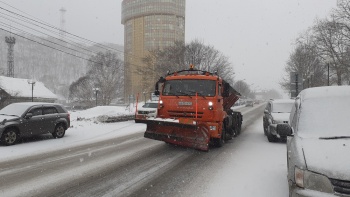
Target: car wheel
9 137
59 131
270 137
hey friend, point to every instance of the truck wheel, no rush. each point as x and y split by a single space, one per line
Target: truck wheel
9 137
221 141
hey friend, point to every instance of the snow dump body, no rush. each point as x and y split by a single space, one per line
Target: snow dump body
194 110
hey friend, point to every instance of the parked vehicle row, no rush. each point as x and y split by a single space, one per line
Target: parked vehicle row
276 111
31 119
318 142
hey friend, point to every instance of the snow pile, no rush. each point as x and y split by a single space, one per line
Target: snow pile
101 113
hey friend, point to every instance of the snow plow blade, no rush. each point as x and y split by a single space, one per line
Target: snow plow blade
185 133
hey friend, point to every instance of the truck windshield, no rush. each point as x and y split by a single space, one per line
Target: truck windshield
189 88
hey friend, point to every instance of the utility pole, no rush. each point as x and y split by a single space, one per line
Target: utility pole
10 56
296 84
62 32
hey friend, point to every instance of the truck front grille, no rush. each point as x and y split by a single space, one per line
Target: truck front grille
340 186
182 114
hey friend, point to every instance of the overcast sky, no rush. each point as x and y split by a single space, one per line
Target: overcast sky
257 35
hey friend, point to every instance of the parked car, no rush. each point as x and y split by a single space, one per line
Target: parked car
276 111
30 119
149 109
318 142
249 103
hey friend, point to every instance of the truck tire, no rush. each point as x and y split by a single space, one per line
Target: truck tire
219 142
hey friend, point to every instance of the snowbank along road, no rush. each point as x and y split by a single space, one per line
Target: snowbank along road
131 165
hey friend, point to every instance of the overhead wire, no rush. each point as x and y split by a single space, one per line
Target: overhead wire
50 46
29 20
75 36
43 39
61 40
53 27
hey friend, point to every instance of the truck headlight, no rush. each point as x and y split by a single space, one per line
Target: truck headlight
161 104
210 105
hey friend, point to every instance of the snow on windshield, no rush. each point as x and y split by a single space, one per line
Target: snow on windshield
325 117
282 107
14 109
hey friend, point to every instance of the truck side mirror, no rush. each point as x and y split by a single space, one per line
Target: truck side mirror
156 92
284 130
161 80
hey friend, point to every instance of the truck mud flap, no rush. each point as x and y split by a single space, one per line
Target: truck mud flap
187 135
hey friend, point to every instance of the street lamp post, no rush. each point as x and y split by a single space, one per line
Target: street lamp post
328 73
32 82
96 92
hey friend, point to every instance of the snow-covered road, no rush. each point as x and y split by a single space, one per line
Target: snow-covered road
115 160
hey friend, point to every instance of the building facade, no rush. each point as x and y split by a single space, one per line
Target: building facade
148 25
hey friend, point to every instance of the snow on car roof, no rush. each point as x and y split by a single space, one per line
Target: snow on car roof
325 92
21 88
283 101
34 103
325 111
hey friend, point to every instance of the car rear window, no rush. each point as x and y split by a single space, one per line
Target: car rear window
282 107
49 110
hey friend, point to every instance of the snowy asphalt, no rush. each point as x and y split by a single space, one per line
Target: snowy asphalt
134 166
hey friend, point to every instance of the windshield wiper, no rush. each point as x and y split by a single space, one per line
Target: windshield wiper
334 137
198 93
9 115
183 93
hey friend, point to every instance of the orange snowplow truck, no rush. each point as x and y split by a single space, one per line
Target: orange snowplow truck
194 110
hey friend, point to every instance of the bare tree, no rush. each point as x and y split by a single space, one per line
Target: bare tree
106 74
305 61
332 46
179 57
81 91
242 87
206 57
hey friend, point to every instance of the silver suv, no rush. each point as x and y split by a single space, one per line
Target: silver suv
29 119
276 111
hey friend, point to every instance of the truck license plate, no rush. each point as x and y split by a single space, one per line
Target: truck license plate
185 103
